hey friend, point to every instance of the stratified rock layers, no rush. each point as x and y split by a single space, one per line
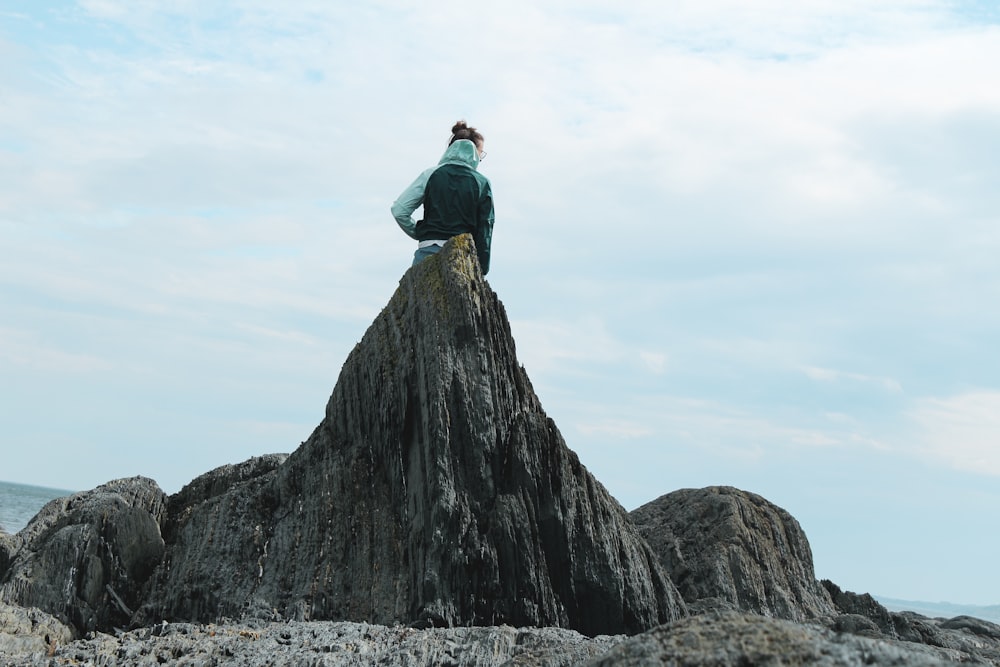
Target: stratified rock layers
435 490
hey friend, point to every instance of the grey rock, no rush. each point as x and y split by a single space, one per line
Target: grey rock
435 491
215 483
856 625
9 544
85 558
27 630
732 639
962 638
864 605
328 643
723 544
975 626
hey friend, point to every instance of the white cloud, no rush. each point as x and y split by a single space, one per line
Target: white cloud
655 362
830 375
21 349
544 346
962 431
614 429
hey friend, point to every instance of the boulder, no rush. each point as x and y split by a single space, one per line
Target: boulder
724 546
26 631
733 639
435 491
866 606
85 558
963 638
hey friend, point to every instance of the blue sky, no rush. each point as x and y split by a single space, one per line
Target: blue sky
739 244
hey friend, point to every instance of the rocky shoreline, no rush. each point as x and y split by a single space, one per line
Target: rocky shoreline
718 639
437 517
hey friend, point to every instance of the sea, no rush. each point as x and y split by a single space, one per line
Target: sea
19 503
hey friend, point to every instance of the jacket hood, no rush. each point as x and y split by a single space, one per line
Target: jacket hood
463 152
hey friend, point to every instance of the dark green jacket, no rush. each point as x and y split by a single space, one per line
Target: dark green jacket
457 199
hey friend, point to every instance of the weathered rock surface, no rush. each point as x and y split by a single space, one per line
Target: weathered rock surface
85 558
29 631
212 484
9 544
711 640
964 638
339 644
726 547
732 639
435 490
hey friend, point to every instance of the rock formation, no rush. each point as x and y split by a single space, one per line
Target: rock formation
86 557
339 644
725 547
28 631
436 491
731 639
963 638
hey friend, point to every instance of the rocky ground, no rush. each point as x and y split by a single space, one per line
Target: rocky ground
715 639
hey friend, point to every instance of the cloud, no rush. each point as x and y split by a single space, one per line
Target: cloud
20 349
961 431
614 429
831 375
546 345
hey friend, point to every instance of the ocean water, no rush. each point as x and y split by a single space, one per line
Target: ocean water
19 503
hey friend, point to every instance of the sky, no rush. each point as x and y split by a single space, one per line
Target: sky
747 244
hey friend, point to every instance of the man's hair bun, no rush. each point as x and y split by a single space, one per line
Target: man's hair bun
461 130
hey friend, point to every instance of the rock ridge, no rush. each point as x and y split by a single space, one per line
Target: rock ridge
436 494
434 491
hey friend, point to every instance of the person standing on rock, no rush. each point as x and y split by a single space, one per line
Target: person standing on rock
457 199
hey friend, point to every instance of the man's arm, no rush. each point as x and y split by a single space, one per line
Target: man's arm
407 203
484 229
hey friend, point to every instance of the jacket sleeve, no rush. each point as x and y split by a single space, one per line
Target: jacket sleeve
407 203
484 228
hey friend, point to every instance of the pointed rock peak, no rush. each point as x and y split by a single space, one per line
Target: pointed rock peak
436 491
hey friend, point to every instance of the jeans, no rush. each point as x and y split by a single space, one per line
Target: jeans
423 253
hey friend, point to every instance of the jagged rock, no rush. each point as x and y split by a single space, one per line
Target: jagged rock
28 630
710 640
85 558
9 544
323 643
864 605
856 625
214 483
733 639
975 626
724 543
963 639
435 490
